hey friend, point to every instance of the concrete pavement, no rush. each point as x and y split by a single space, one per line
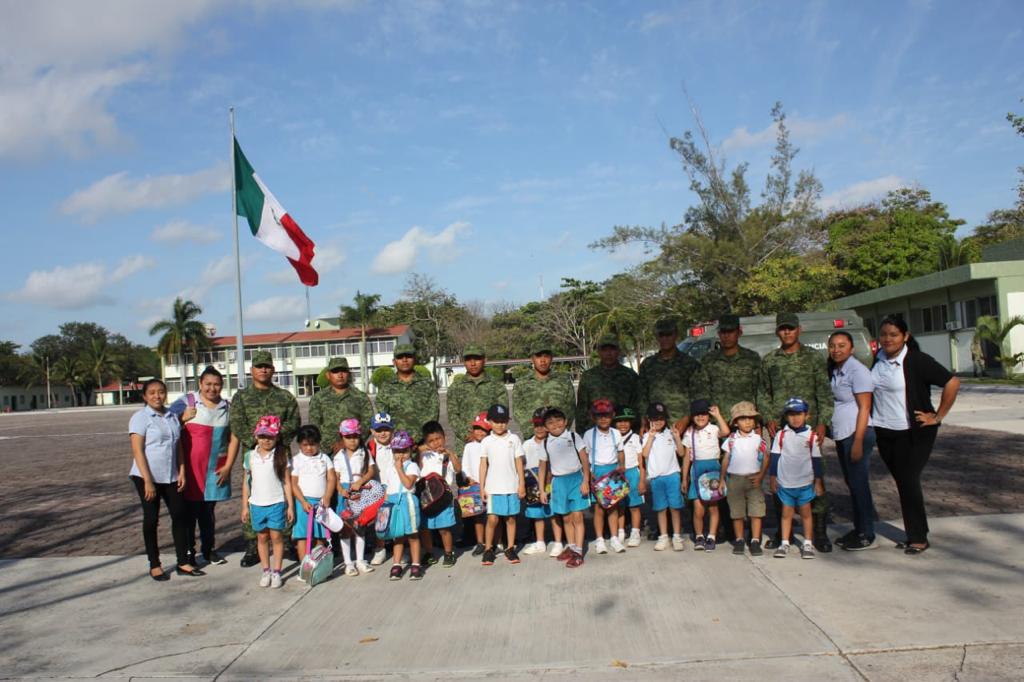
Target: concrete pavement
997 407
879 615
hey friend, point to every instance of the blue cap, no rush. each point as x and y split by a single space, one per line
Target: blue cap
795 405
381 420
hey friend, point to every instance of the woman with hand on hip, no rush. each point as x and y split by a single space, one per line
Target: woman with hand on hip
905 421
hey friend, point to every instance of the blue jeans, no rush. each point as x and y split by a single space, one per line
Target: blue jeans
856 476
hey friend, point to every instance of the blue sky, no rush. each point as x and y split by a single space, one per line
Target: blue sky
482 143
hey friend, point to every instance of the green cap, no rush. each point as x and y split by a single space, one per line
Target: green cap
625 413
473 352
337 363
666 325
787 320
405 349
608 340
728 323
262 357
541 347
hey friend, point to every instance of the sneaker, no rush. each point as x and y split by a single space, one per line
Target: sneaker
574 561
737 547
416 572
710 544
396 572
430 560
275 580
600 547
617 545
781 551
535 548
265 579
634 538
661 544
213 558
861 542
511 556
678 544
807 551
488 559
565 554
449 559
351 570
699 543
364 567
378 557
622 535
755 548
478 550
556 551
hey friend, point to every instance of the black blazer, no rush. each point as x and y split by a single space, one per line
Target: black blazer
921 371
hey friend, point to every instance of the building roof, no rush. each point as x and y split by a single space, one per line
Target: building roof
933 281
306 337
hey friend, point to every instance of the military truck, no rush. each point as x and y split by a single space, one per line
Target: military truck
759 334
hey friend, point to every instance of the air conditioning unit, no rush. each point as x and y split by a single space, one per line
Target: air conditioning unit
953 325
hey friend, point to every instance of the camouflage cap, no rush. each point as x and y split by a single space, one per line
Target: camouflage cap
541 347
728 323
262 357
473 351
337 363
666 325
787 320
608 340
404 349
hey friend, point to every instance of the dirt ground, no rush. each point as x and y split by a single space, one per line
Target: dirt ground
64 490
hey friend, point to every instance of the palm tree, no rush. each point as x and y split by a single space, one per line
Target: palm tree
100 361
68 370
362 314
988 328
180 333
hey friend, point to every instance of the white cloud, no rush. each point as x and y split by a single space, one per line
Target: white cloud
800 129
184 231
652 20
401 255
77 286
119 193
327 257
862 192
276 309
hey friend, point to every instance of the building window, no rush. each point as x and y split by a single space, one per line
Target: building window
976 307
283 379
318 350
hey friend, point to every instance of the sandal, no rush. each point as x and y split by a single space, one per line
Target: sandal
913 551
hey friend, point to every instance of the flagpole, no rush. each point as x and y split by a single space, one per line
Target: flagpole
239 346
308 318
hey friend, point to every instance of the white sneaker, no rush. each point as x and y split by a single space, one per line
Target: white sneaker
556 549
661 544
634 538
677 543
364 567
351 570
600 547
298 576
617 545
265 579
275 580
535 548
378 557
622 535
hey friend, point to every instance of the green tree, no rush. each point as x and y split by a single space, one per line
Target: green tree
68 370
361 313
182 331
1001 225
988 328
788 284
101 362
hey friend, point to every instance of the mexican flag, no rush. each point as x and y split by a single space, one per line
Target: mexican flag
270 223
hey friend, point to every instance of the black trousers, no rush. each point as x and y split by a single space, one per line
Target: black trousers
168 492
203 514
905 453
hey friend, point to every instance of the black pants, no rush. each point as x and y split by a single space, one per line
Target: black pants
168 492
203 514
905 453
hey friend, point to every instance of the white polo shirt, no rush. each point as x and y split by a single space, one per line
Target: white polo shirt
389 473
744 453
532 449
702 443
603 446
631 446
433 463
355 463
500 453
312 473
471 460
795 469
561 455
889 410
662 459
265 488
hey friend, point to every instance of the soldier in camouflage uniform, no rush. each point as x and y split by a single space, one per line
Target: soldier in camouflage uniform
667 376
471 395
541 388
261 397
409 398
609 380
794 370
339 401
728 375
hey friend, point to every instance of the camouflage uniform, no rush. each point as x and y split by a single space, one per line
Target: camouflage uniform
411 404
618 384
531 392
726 380
467 398
328 408
669 382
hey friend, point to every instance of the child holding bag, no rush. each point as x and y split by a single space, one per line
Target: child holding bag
399 477
353 468
313 483
701 442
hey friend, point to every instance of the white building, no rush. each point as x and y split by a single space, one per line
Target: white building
21 398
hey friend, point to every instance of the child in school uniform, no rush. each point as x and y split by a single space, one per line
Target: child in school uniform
540 512
565 461
436 458
399 477
267 496
636 476
661 452
605 449
313 483
353 469
502 484
744 466
702 442
382 430
479 430
796 474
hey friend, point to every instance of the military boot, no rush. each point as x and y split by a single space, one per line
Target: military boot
821 541
251 556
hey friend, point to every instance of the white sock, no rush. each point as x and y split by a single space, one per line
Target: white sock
677 536
346 551
360 548
711 537
785 543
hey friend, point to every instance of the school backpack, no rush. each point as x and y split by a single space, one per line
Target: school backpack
364 504
470 502
433 491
